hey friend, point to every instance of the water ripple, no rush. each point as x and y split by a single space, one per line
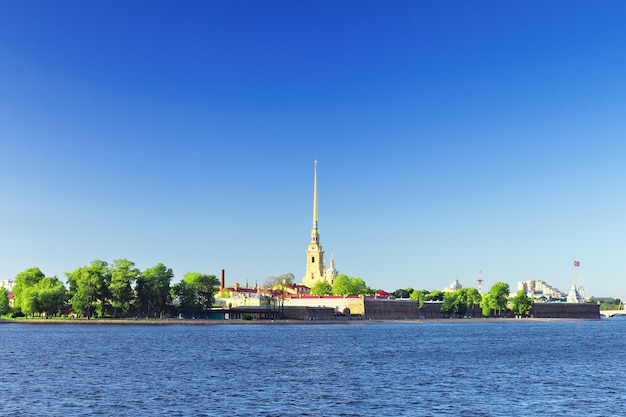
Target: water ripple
474 369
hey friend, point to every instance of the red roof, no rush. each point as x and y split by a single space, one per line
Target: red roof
299 286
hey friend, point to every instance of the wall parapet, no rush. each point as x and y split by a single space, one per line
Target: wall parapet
566 311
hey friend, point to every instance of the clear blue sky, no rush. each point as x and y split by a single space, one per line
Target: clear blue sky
452 137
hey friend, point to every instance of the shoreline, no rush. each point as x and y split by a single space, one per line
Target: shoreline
206 322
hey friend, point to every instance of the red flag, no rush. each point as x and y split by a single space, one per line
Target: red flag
576 263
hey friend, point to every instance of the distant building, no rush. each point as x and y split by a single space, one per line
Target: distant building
8 284
539 289
454 286
11 298
294 289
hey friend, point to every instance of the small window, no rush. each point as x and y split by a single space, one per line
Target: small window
312 259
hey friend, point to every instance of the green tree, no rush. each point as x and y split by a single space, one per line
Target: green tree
123 275
496 299
184 297
500 294
419 296
451 303
434 295
403 293
460 301
204 288
4 301
36 294
28 301
522 303
344 285
89 288
360 287
153 290
80 295
50 296
487 304
321 288
224 293
468 298
24 290
607 303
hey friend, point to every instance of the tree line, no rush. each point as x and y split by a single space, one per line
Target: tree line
120 289
342 285
607 303
459 302
115 290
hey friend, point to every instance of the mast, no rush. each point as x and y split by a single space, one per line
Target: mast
576 265
574 295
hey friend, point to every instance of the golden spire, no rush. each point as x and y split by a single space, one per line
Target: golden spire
315 194
315 236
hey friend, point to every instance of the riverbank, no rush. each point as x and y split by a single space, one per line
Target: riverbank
202 322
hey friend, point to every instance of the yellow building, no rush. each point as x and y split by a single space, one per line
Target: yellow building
315 269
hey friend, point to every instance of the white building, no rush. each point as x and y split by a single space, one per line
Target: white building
539 289
454 286
8 284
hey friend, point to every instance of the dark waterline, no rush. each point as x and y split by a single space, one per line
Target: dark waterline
432 369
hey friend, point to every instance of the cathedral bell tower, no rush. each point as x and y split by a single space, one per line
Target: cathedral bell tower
315 269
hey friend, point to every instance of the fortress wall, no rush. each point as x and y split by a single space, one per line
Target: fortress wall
433 311
382 309
339 304
395 309
566 310
309 313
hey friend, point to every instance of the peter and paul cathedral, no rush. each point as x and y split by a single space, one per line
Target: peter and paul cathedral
315 268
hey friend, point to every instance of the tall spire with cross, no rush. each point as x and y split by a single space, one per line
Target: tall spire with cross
315 236
315 269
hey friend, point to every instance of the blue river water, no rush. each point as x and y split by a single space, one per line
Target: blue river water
461 368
